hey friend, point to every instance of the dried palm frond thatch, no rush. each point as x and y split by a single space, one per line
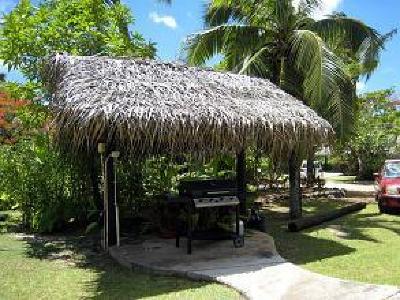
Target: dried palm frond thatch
145 107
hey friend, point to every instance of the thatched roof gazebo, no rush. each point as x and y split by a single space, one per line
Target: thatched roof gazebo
145 107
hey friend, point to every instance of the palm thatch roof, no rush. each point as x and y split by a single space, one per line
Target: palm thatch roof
146 107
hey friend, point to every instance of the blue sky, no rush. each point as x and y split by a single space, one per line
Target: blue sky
169 25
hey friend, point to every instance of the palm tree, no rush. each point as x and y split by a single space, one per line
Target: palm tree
312 59
274 39
123 26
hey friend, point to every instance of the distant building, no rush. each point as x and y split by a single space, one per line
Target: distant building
396 103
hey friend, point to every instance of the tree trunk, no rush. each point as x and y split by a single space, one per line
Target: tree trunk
317 219
295 205
310 169
325 162
360 167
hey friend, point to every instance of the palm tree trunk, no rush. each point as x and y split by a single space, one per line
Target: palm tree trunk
310 169
295 205
122 25
276 72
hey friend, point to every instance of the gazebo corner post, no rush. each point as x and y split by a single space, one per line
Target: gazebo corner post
295 197
111 212
241 179
112 204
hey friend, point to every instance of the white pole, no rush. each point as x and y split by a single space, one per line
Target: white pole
106 203
116 204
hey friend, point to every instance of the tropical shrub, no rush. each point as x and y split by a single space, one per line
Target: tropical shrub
50 188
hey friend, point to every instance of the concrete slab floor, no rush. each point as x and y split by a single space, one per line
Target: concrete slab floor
256 270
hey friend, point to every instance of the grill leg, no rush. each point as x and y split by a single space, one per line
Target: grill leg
189 232
238 240
189 245
237 220
177 232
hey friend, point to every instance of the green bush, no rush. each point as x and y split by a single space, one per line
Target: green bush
47 187
51 190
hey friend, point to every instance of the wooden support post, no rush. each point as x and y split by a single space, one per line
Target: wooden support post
295 205
241 179
110 196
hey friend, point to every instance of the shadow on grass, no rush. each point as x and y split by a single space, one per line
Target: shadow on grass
111 280
94 274
354 225
301 248
309 246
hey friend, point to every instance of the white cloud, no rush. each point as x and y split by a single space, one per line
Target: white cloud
327 7
360 86
168 21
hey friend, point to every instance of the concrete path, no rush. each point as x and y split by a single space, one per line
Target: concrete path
256 270
275 278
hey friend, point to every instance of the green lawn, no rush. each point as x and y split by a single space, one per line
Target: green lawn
364 246
40 269
342 178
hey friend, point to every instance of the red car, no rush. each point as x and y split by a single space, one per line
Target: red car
388 192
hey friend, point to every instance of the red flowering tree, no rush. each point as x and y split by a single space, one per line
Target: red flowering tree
9 123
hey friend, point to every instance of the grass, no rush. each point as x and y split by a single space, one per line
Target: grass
60 268
363 246
342 178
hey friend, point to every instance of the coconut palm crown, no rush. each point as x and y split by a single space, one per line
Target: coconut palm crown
279 40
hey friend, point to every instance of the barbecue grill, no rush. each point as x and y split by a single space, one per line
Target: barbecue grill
197 195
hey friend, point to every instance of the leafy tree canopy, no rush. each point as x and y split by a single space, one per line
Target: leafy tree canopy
376 131
80 27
